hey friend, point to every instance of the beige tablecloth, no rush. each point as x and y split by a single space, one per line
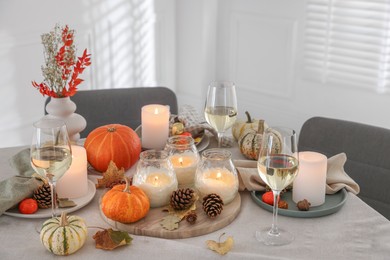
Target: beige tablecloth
355 232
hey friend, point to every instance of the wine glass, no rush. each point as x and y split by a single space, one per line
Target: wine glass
221 107
277 166
51 153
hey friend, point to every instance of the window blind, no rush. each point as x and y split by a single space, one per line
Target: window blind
348 42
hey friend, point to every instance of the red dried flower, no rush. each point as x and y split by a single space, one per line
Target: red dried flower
62 70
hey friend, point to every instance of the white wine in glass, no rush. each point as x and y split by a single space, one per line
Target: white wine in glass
50 153
221 107
277 166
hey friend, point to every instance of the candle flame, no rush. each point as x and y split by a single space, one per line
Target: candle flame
155 181
156 111
181 161
219 175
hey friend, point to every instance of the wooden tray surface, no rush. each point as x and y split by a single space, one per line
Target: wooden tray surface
150 225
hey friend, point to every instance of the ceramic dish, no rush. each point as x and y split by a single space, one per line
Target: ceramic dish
46 213
332 204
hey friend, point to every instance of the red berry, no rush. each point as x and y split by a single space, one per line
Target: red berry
28 206
268 197
186 134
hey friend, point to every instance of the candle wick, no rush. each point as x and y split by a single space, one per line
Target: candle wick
155 180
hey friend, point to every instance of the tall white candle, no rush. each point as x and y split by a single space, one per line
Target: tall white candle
157 185
311 178
74 183
155 126
185 167
220 181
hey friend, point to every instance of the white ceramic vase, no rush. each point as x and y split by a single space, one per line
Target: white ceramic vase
64 109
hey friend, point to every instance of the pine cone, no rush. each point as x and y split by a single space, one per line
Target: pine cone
182 198
212 205
43 196
191 217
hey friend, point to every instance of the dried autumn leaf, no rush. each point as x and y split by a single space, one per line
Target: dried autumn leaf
112 175
221 248
170 222
110 239
182 213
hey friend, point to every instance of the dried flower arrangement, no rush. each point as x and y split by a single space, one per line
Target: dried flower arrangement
61 69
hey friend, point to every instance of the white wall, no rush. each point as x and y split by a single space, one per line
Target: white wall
132 44
182 44
258 45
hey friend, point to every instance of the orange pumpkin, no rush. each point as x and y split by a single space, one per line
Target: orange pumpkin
125 203
115 142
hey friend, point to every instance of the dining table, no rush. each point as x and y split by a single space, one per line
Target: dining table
355 231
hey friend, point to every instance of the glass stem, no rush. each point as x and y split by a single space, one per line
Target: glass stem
220 135
53 198
274 229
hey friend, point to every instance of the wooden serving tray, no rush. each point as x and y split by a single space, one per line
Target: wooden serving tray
150 225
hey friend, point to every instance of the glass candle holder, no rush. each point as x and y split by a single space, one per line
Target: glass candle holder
156 177
184 158
217 174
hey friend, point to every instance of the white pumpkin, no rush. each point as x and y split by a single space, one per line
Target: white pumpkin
250 141
239 127
64 235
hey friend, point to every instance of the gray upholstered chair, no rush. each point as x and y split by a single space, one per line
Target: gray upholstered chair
121 105
367 149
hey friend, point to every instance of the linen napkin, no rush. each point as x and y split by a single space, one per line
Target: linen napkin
16 188
336 177
196 124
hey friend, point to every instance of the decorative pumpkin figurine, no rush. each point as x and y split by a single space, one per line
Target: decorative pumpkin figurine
115 142
239 127
250 141
125 203
64 235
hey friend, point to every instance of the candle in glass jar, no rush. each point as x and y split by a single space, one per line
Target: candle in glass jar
310 182
220 181
74 183
158 186
155 126
185 167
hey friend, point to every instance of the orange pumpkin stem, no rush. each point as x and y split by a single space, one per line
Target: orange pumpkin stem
111 129
63 219
127 188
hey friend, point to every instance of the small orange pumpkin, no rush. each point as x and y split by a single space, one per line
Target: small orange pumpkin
115 142
125 203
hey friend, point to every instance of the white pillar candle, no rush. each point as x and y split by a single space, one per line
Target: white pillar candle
157 185
74 183
155 126
185 167
310 181
220 181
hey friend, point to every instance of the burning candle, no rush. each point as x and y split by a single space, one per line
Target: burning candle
158 186
311 179
74 183
155 176
220 181
184 158
185 167
155 126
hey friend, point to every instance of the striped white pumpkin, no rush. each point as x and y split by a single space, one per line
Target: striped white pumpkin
64 235
240 127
